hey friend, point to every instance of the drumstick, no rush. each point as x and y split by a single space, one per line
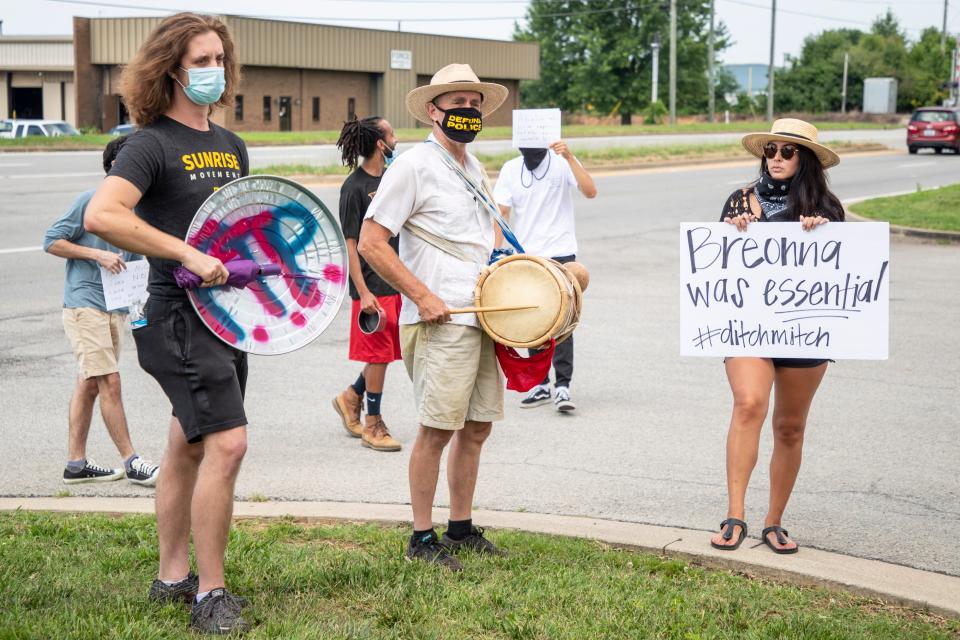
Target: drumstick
492 309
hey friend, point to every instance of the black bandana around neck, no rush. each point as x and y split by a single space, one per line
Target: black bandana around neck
772 195
533 157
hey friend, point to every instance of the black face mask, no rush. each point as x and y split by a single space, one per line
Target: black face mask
461 125
533 157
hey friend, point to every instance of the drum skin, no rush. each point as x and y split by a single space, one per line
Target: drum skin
524 280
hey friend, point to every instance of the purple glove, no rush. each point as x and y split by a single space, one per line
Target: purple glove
242 273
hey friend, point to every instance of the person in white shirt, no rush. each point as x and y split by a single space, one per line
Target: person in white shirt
535 190
446 239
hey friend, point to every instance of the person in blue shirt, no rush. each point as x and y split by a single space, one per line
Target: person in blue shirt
94 334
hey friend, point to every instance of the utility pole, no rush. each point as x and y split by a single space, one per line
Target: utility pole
655 45
843 100
943 32
711 96
773 38
673 61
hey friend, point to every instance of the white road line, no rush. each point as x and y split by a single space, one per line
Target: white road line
912 165
15 164
21 250
48 176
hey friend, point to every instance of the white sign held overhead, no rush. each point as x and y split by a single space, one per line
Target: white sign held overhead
400 59
535 128
128 287
777 291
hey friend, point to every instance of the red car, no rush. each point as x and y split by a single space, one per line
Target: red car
937 128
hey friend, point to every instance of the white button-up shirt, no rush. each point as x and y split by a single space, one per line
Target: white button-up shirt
420 188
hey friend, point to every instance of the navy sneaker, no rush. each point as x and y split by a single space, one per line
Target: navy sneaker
91 472
143 473
563 402
538 395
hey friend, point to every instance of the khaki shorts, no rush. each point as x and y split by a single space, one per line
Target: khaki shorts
454 372
95 338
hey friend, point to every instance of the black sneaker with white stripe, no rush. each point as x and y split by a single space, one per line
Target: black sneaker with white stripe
562 400
142 472
538 395
91 472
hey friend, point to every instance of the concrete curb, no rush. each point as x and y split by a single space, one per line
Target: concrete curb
893 583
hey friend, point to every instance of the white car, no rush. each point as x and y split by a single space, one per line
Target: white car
47 128
6 129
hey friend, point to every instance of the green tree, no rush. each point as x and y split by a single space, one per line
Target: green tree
595 55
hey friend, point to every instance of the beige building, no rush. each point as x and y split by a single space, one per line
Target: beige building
299 76
36 78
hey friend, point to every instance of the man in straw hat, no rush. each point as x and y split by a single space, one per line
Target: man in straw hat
446 238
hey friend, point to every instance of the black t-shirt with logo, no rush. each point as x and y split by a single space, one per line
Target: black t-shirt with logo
355 196
176 168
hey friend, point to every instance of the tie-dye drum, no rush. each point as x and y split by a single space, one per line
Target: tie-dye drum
271 221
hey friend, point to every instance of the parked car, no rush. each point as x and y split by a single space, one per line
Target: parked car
6 129
47 128
123 129
936 128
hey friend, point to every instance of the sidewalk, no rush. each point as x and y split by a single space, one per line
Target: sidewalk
894 583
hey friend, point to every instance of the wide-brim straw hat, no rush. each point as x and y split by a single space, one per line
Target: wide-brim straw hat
455 77
792 130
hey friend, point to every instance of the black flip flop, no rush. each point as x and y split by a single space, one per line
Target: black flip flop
727 527
781 538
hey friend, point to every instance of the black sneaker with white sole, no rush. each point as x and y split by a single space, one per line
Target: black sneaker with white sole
538 395
184 591
143 473
219 613
562 400
91 472
429 549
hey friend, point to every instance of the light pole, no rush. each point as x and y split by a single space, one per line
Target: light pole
843 99
773 37
673 61
711 97
655 46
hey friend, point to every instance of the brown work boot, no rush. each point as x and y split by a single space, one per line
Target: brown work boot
347 406
377 437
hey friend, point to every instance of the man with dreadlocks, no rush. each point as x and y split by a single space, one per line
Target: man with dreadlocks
372 140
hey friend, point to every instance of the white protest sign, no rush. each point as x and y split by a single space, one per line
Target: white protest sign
777 291
535 128
127 287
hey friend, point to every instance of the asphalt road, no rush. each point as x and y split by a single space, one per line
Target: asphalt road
880 475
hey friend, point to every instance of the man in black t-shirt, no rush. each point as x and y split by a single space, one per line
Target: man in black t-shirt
373 140
146 204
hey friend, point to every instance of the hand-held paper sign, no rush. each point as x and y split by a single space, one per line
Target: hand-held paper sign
776 291
261 226
535 128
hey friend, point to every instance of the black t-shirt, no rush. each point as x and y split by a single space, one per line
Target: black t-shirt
176 168
355 196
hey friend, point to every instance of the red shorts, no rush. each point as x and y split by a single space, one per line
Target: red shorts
380 347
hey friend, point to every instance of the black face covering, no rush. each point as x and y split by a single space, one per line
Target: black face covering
533 157
462 124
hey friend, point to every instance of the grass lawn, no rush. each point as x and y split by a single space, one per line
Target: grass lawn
593 159
937 209
86 576
263 138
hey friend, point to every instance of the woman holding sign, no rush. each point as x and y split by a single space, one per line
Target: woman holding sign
792 187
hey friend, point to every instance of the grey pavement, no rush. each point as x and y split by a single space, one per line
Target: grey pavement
647 445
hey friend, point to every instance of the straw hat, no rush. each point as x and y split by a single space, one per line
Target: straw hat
792 130
454 77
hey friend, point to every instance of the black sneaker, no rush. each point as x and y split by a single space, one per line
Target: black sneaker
184 591
563 402
473 542
430 550
91 472
538 395
218 614
143 473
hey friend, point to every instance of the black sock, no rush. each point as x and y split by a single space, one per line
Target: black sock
418 535
373 403
459 529
360 386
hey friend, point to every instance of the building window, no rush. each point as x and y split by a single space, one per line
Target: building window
238 109
316 109
267 115
351 109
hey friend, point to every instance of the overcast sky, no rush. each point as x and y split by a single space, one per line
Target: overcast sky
747 20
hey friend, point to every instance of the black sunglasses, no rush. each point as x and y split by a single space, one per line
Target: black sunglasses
787 151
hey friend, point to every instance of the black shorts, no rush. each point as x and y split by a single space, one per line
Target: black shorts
203 377
794 363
